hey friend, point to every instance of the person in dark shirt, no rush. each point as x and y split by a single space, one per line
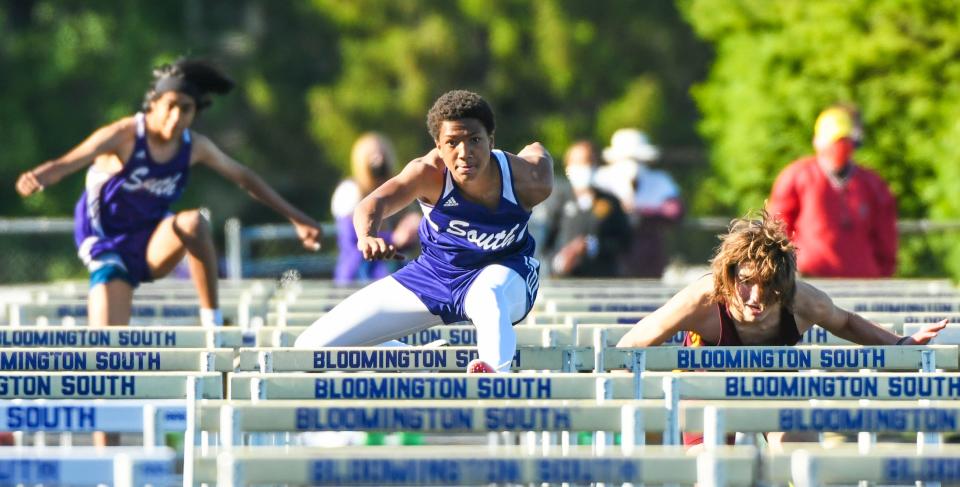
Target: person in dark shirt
590 229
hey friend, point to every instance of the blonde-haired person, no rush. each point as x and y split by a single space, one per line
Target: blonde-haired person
841 215
752 297
372 162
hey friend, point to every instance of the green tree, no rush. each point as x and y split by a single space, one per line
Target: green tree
554 70
779 63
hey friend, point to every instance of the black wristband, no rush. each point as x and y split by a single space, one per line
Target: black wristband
902 339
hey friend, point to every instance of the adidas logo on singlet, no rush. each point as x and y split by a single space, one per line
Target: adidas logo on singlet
140 154
451 202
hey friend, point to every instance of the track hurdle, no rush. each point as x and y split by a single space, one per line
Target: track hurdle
467 466
114 360
764 386
116 466
527 335
107 385
631 418
125 337
812 466
572 359
150 418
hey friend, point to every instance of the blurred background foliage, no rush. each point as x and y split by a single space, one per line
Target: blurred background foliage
779 63
314 74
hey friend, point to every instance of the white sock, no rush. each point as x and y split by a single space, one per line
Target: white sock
211 317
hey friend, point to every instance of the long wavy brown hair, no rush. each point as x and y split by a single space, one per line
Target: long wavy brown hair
760 241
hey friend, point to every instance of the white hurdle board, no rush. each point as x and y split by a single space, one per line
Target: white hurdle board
116 466
430 416
107 385
822 416
810 466
116 360
448 465
615 385
125 337
87 416
570 359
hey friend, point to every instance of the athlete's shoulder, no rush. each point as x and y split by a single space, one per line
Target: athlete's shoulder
532 170
124 127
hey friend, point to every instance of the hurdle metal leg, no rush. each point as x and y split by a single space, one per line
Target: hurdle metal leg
671 398
192 436
632 433
714 428
604 392
804 469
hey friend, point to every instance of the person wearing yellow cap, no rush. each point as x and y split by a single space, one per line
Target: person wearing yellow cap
841 216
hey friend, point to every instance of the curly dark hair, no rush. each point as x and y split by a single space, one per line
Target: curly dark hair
761 241
458 105
199 78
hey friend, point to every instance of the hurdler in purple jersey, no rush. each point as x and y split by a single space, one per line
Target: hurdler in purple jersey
464 237
124 229
118 213
476 259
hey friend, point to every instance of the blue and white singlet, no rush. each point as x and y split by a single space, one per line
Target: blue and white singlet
459 238
117 213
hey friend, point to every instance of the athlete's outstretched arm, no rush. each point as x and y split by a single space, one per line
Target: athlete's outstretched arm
686 310
816 307
420 178
532 174
106 139
206 152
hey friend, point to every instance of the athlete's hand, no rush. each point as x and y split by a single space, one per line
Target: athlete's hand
925 334
376 248
28 183
309 234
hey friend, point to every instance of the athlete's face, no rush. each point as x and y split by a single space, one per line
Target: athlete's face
750 293
465 147
171 113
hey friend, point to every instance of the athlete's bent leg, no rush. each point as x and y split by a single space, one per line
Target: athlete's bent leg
109 303
381 311
186 232
496 300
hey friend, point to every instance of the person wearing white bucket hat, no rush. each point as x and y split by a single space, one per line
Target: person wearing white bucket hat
649 196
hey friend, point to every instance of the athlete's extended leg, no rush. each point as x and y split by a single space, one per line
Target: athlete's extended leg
496 300
187 231
109 303
384 310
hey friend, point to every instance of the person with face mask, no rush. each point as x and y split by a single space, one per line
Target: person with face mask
372 162
650 198
590 230
841 216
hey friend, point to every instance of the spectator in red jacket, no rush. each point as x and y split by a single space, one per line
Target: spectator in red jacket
841 216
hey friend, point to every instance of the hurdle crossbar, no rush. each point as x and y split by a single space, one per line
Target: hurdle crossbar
616 385
106 385
458 465
116 360
117 466
570 359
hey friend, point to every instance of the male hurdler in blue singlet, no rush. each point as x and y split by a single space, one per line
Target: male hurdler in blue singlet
124 229
477 255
